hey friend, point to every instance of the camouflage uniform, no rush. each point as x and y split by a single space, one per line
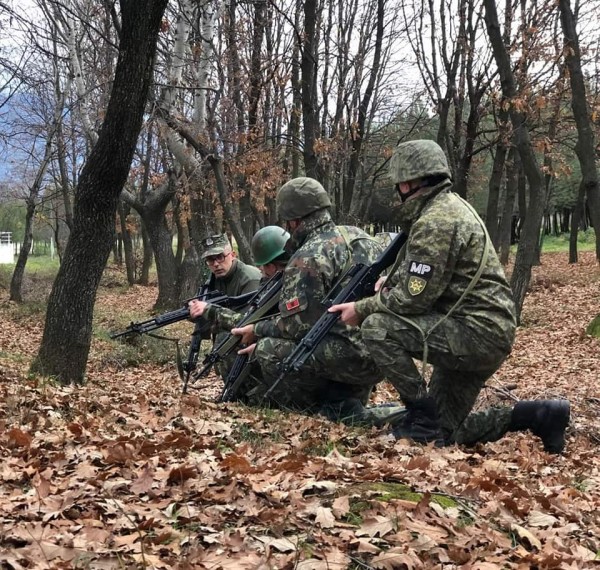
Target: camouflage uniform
422 315
341 367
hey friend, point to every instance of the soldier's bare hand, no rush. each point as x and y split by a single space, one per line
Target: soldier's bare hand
380 283
197 308
348 314
247 334
247 349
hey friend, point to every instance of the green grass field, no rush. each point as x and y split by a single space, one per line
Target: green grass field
585 242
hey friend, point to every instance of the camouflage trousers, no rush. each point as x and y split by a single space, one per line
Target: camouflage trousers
339 370
461 360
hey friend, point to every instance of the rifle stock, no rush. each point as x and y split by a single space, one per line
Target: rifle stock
238 373
360 282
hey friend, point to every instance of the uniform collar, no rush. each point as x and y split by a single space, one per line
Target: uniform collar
308 225
410 210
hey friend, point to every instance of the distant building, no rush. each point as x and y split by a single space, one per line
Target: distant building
7 249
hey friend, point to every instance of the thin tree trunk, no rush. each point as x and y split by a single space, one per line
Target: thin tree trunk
127 244
575 223
526 251
586 146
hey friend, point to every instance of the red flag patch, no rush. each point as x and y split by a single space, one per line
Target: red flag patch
292 304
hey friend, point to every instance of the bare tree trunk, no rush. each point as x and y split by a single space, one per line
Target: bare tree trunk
147 257
586 145
127 244
575 222
492 217
310 115
526 251
68 328
16 282
513 172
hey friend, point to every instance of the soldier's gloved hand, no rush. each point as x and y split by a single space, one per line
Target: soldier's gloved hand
348 314
247 349
247 334
197 308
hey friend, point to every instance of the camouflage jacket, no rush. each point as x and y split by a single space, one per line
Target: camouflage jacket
322 253
443 253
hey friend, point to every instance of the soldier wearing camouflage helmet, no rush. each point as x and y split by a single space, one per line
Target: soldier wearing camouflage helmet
446 302
338 378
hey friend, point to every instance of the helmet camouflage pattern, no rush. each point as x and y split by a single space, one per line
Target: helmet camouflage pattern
268 244
300 197
418 159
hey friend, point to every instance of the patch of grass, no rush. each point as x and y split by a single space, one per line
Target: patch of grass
244 432
464 519
384 492
586 241
323 448
357 506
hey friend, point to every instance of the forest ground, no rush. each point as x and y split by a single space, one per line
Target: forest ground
125 472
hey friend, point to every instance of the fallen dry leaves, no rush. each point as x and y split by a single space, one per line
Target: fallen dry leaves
126 472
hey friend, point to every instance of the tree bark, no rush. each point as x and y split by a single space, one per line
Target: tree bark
586 145
68 328
492 217
309 65
526 251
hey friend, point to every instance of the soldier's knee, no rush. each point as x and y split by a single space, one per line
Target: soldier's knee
373 330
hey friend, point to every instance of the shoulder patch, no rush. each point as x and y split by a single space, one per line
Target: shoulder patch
422 270
292 304
416 285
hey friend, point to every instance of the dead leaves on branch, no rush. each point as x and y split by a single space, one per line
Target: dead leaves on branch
125 472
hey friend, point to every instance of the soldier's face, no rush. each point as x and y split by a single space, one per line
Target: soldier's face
220 264
268 270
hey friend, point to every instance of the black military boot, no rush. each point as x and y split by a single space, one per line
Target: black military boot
548 419
421 423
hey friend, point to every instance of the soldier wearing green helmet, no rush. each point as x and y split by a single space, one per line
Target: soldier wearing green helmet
338 378
268 245
446 302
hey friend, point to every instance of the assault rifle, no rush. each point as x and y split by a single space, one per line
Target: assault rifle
237 374
201 331
262 306
184 313
358 282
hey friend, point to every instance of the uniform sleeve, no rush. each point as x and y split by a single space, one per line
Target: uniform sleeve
221 318
305 284
427 268
250 285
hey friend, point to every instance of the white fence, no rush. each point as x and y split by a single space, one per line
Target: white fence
7 248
